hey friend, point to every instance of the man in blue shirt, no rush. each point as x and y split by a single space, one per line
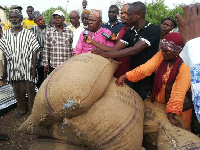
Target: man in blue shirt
114 25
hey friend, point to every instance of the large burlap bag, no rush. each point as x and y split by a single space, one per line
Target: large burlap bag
72 88
54 144
114 122
58 131
153 114
175 138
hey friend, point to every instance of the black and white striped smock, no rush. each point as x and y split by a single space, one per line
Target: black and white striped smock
18 49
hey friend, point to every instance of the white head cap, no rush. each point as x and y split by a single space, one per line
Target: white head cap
58 12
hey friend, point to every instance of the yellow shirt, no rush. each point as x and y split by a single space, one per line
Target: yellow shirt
71 27
7 25
28 24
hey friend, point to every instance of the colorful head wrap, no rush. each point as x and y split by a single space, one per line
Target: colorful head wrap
96 13
16 11
172 42
35 15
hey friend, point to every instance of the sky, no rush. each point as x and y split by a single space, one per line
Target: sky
42 5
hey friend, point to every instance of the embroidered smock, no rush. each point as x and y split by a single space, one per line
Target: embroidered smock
18 49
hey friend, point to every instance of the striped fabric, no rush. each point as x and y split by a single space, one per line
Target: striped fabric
57 46
18 49
40 37
6 96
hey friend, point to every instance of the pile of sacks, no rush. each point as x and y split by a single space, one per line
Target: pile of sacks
79 106
159 134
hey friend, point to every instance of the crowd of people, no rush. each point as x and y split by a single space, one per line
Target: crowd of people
154 61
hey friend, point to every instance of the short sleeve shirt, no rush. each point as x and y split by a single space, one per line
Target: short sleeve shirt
57 46
28 24
18 49
150 34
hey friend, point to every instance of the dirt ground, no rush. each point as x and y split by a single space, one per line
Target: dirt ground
8 125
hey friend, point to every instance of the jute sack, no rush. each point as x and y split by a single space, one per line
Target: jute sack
54 144
72 88
172 137
114 122
153 114
58 131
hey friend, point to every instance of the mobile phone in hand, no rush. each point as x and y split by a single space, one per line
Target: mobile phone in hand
106 35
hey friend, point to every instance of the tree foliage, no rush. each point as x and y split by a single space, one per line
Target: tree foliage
47 14
7 13
176 10
157 10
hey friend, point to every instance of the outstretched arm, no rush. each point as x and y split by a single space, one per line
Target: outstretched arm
119 45
137 48
189 26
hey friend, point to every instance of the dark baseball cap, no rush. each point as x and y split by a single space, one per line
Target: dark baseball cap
16 7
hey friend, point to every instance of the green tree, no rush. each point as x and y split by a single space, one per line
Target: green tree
47 14
177 9
7 13
156 10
